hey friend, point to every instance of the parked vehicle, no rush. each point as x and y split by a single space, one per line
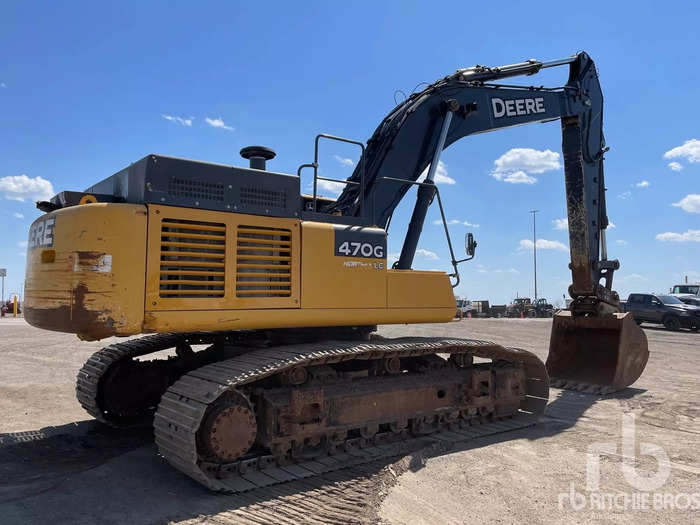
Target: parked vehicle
464 307
497 310
662 309
686 289
519 307
695 301
543 308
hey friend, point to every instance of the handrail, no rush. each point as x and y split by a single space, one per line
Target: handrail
314 165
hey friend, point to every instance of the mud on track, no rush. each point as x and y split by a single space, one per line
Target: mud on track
56 466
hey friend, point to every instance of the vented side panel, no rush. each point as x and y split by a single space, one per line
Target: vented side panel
263 262
192 259
195 189
202 260
259 196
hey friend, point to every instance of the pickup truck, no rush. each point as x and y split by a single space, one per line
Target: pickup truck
662 309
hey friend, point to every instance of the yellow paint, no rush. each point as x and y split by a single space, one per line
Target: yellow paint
419 289
87 199
230 221
116 288
93 283
328 281
264 319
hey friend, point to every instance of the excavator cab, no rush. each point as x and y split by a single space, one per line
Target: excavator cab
599 354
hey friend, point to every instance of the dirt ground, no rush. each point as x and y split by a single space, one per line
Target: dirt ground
58 466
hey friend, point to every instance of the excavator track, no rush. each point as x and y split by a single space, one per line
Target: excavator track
115 366
207 415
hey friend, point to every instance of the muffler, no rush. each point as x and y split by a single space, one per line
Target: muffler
601 354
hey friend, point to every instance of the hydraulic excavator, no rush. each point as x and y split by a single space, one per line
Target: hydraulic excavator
266 299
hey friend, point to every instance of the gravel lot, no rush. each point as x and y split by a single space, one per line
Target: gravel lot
58 466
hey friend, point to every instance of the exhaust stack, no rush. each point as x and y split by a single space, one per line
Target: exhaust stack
258 156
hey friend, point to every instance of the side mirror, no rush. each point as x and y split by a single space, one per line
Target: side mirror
470 245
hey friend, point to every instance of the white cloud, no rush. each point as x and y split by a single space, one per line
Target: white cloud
441 176
180 120
561 224
330 186
344 161
517 165
632 277
625 195
217 123
18 215
22 244
689 203
543 244
21 187
689 236
391 258
527 159
438 222
643 184
497 270
3 85
611 225
675 166
427 254
517 177
621 242
22 254
690 151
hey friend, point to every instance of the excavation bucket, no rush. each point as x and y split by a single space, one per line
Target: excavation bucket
608 352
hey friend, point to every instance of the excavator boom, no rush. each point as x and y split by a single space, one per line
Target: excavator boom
412 137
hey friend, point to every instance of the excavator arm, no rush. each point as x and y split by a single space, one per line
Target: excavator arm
411 137
409 141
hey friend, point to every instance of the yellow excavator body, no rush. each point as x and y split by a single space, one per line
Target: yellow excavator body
115 269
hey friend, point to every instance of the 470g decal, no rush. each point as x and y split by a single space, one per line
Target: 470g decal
353 241
361 249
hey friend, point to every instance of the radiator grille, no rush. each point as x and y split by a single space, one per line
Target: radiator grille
263 262
195 189
192 259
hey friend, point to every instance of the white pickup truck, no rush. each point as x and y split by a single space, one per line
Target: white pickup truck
688 293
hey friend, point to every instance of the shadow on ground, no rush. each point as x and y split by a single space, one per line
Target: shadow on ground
87 473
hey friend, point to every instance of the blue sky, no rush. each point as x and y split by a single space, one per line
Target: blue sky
88 87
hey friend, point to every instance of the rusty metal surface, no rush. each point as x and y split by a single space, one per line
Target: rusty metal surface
508 393
123 393
596 353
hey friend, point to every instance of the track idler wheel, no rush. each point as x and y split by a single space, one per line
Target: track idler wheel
229 429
